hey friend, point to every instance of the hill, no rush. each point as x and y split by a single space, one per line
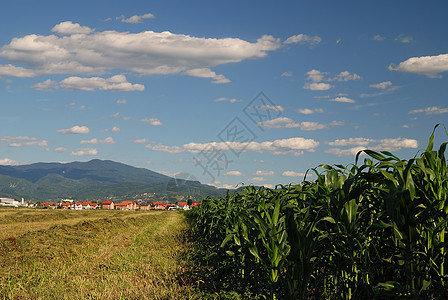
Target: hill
91 180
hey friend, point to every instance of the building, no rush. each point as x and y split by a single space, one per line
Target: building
10 202
108 205
126 205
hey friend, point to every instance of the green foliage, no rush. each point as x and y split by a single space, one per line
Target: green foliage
375 230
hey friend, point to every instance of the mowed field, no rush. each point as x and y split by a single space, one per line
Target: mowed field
97 254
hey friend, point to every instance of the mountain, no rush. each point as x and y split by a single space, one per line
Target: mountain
92 180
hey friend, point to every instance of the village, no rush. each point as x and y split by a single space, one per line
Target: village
107 204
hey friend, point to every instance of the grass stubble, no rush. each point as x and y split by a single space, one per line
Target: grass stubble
93 255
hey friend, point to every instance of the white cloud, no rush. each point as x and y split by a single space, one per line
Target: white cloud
351 142
21 141
317 86
114 83
286 74
430 66
116 129
342 99
225 99
293 146
61 149
144 53
140 141
308 111
284 122
85 152
207 73
95 141
264 173
404 39
345 152
382 85
345 76
256 179
433 110
122 101
233 173
8 162
10 70
136 18
272 108
303 39
75 130
292 174
68 27
46 85
152 121
391 144
378 38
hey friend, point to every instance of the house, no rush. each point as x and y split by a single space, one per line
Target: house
159 205
77 206
183 205
126 205
108 205
66 205
145 207
49 204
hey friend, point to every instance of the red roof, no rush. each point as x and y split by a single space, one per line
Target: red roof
181 203
107 202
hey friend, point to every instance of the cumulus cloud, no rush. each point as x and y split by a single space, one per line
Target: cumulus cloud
294 146
233 173
116 129
85 152
140 141
114 83
316 80
10 70
432 110
345 76
382 85
292 174
378 38
256 179
136 18
404 39
390 144
264 173
8 162
122 101
284 122
152 121
303 39
225 99
21 141
207 73
75 130
272 108
286 74
430 66
309 111
95 141
91 52
342 99
60 149
68 27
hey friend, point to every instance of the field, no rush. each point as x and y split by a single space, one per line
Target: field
63 254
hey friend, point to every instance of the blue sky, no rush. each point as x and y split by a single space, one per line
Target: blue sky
225 92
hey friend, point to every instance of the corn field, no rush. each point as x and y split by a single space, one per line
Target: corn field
371 230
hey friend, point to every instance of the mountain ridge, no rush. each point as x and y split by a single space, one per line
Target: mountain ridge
93 179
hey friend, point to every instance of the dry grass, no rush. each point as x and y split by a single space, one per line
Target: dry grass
93 255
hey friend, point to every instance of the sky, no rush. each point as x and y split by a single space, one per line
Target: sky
224 92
